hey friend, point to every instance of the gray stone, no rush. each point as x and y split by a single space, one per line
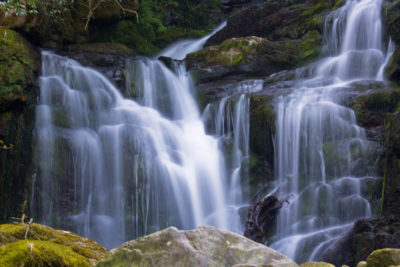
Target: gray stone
203 246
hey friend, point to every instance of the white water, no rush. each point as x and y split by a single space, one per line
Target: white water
321 152
113 169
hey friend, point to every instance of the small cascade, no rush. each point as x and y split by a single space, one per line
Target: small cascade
322 155
180 49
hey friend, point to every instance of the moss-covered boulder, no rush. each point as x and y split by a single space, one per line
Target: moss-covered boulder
45 246
384 258
253 55
203 246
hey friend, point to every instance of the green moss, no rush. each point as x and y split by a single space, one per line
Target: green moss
263 110
260 55
375 104
392 70
384 257
338 4
84 247
313 9
39 253
17 67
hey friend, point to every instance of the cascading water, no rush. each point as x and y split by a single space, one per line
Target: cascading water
113 169
320 150
228 120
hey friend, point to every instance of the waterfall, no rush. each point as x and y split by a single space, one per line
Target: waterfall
321 152
112 168
180 49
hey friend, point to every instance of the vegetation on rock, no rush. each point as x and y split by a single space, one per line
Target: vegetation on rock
18 64
256 55
45 246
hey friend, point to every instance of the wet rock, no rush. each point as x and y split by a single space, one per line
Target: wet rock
45 246
372 104
108 58
366 236
203 246
262 131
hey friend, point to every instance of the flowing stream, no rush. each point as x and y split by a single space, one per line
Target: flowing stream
113 168
321 153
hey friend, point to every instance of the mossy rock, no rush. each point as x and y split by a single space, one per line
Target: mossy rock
18 68
256 55
317 264
49 238
371 107
39 253
384 258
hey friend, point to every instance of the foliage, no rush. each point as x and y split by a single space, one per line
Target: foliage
52 8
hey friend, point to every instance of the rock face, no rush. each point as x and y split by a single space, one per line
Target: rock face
45 246
204 246
276 20
19 67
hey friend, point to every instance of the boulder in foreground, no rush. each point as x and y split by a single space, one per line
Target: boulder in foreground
203 246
